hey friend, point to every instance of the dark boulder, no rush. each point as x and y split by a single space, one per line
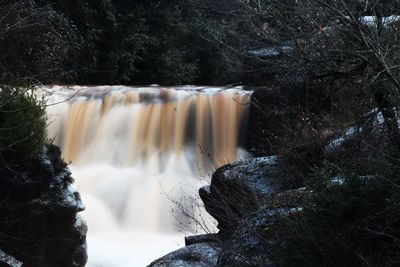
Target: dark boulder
338 143
290 199
8 261
197 255
246 200
251 242
240 188
39 207
363 140
248 246
195 239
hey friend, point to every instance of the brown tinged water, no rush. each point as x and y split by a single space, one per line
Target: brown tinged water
137 152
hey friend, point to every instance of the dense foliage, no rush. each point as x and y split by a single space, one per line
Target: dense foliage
112 42
329 65
352 221
23 126
37 43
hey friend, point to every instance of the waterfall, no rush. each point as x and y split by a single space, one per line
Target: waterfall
139 154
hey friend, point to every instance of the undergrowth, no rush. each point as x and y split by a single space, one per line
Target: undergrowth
22 126
352 221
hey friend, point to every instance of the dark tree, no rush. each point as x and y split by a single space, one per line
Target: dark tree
323 47
37 43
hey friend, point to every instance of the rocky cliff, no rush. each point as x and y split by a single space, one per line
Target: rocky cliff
40 225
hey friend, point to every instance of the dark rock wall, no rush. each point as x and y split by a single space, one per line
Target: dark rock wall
39 224
240 188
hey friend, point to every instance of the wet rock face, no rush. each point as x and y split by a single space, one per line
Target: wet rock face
39 214
246 200
8 261
251 242
240 188
247 246
197 255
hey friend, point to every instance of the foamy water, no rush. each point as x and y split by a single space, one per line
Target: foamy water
139 156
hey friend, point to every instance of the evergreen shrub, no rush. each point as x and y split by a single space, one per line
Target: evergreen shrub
22 125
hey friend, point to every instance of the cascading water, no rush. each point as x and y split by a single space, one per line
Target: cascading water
139 155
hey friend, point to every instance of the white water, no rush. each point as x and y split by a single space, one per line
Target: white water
139 156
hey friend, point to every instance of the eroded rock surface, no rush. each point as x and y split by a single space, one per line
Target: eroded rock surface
246 200
247 246
40 225
197 255
240 188
8 261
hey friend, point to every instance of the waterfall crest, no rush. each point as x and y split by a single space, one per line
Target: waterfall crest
130 125
139 154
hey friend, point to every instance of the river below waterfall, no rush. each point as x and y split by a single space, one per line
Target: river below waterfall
139 156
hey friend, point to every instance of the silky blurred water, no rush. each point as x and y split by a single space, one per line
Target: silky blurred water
139 156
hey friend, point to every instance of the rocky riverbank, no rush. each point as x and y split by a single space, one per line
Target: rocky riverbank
40 225
246 199
249 200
